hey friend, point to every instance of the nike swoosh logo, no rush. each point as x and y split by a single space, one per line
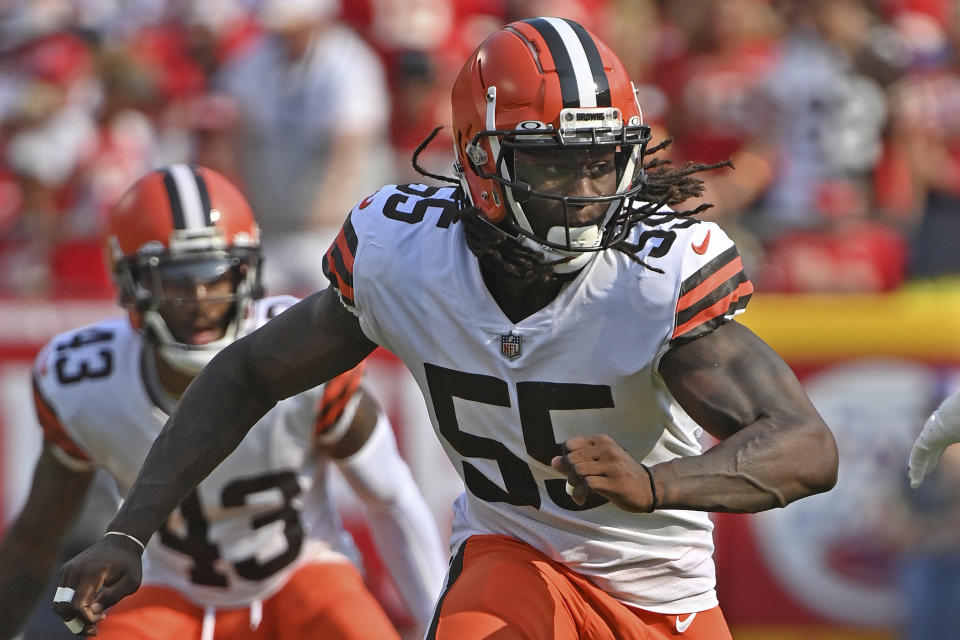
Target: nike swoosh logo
683 625
702 247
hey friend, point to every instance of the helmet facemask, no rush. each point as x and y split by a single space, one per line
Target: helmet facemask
587 138
163 287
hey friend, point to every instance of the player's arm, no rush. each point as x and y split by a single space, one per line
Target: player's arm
30 545
774 449
399 518
940 430
306 345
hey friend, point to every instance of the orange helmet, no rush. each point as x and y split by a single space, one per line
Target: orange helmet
190 223
546 83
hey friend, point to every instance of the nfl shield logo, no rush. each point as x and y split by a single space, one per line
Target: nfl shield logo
511 345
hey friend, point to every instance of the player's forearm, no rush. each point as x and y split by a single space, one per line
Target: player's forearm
410 546
213 416
400 520
306 345
761 467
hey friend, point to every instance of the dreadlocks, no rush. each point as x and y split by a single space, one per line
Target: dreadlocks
499 251
666 186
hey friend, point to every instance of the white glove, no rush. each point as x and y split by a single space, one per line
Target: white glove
940 430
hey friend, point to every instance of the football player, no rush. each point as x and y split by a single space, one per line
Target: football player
571 336
257 550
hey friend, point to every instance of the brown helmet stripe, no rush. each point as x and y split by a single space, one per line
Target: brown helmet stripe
205 205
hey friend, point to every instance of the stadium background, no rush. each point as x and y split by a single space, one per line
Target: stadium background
842 117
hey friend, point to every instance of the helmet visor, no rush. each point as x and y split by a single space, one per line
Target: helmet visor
192 280
576 177
573 171
195 297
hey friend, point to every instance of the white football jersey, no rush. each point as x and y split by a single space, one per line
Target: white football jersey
258 516
503 395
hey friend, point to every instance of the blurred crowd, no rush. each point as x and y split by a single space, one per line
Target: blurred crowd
842 118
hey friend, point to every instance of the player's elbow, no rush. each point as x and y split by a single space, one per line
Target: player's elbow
823 460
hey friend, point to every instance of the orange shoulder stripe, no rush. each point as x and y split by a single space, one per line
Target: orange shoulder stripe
336 395
715 310
345 251
53 430
703 289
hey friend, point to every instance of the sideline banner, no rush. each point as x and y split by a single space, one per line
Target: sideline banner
874 366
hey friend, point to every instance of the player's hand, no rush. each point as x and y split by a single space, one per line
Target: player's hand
95 580
597 464
937 434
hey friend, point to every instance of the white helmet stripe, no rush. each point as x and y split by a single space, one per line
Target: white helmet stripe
586 87
578 58
187 197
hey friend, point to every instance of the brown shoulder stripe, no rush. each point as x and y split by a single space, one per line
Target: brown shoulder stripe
337 263
711 294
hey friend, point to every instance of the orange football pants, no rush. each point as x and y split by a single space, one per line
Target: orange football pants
322 600
500 588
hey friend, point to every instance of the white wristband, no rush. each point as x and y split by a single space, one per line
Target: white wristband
127 535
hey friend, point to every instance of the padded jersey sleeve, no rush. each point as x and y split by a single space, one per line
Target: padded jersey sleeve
381 246
346 263
338 262
713 285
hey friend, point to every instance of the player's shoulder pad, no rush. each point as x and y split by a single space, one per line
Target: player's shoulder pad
386 218
407 203
701 243
677 244
83 344
65 373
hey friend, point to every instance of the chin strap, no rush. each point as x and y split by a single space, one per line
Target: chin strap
186 358
581 237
